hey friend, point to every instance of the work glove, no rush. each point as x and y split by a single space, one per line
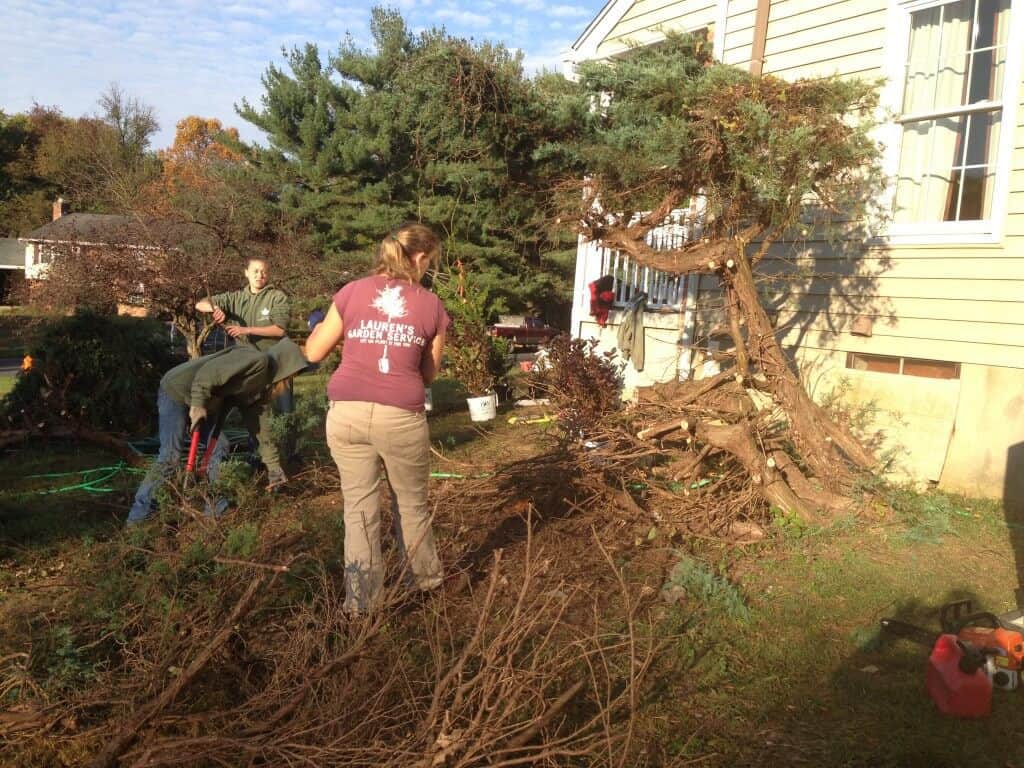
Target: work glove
196 414
315 318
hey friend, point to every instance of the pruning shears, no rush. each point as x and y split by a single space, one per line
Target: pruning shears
193 450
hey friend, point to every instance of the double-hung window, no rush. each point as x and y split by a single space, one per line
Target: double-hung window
956 87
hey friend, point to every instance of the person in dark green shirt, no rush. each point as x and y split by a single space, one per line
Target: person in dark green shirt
257 315
198 393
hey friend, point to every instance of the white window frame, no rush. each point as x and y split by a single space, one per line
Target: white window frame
897 48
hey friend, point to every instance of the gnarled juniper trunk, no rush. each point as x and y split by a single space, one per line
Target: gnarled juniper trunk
824 445
803 462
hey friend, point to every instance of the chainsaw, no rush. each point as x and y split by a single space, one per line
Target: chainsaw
1005 634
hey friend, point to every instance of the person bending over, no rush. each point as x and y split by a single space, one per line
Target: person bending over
199 393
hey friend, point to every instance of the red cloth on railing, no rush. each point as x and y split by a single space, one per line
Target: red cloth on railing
602 297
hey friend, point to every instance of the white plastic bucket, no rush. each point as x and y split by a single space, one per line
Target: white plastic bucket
482 408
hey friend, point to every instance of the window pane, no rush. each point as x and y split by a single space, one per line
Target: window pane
929 151
956 29
937 63
931 369
970 193
925 30
976 195
983 138
878 363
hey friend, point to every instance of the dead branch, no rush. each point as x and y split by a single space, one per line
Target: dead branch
124 737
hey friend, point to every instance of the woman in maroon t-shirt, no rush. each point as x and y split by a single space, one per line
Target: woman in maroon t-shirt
393 330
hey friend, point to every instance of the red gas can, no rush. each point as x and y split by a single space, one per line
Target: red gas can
954 691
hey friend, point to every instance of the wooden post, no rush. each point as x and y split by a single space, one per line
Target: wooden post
760 36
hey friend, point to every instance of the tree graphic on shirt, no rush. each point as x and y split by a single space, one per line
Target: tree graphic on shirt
391 303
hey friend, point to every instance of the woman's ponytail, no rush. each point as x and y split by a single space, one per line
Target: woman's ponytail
394 257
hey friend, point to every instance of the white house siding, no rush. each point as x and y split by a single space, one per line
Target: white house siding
739 33
662 351
953 302
647 20
666 347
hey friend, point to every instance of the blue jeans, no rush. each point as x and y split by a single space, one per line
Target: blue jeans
174 442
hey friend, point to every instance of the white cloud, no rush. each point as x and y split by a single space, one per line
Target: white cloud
467 18
196 57
249 11
568 12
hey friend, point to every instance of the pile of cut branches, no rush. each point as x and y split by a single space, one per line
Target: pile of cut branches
715 455
230 646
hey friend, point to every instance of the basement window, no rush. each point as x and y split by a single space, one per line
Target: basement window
903 366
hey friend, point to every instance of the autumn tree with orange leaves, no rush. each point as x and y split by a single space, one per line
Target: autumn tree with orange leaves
185 234
201 145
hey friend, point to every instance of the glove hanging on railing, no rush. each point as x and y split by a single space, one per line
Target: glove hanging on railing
602 298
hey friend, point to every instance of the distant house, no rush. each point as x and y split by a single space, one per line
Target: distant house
75 231
12 266
926 320
80 234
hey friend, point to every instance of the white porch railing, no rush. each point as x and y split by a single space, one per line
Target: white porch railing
664 291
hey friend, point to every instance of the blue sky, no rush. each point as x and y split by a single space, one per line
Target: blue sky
201 57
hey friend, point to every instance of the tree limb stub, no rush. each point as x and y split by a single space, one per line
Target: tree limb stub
738 440
804 488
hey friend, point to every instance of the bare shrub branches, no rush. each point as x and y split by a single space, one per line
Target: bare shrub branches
534 672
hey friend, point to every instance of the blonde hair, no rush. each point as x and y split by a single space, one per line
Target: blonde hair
394 257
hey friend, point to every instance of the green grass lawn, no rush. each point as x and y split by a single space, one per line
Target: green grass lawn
808 680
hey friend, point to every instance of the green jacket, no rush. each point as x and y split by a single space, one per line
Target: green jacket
241 375
237 377
271 306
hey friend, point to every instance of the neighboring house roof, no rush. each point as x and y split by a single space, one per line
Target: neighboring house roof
12 253
80 227
108 229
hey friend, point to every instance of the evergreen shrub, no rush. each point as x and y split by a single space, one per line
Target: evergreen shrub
94 371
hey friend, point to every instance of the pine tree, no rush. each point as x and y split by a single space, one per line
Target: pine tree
423 127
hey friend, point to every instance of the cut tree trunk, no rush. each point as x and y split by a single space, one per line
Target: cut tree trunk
824 445
738 440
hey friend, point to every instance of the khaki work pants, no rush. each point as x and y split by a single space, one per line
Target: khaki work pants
359 435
